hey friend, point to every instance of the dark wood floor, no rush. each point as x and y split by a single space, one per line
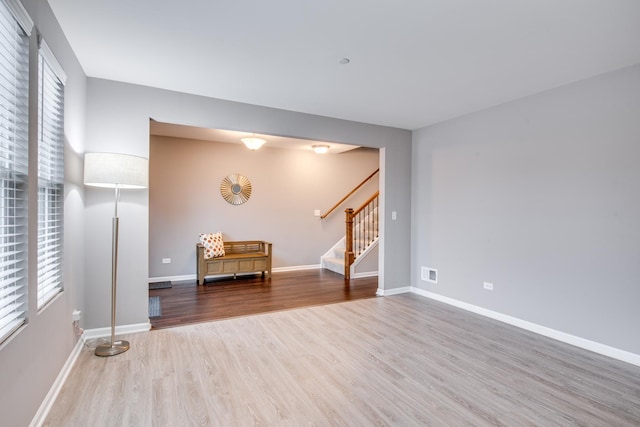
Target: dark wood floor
220 298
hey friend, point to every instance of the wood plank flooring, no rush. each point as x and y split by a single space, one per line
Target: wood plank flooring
400 360
221 298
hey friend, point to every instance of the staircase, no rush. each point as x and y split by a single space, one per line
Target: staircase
333 260
365 238
361 234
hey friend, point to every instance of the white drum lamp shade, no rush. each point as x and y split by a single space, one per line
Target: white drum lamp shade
116 170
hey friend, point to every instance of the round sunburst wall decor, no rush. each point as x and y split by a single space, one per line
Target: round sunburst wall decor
235 189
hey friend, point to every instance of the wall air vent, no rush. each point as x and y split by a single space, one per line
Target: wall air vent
429 274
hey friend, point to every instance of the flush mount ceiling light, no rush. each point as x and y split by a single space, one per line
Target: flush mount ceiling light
320 149
253 143
344 61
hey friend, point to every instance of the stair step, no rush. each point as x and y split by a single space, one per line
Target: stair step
339 252
334 264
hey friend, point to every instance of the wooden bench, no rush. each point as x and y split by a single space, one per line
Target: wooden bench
249 256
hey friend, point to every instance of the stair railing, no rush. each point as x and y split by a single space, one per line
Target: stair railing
362 229
326 214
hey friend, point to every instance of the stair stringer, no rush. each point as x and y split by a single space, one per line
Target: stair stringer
360 258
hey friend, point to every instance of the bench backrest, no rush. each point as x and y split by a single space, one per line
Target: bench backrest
244 247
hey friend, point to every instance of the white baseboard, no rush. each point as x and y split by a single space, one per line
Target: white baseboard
296 268
364 274
194 277
395 291
586 344
120 330
172 278
50 398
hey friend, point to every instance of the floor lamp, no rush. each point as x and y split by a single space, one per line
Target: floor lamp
118 171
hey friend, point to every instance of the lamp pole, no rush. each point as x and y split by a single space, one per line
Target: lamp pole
114 347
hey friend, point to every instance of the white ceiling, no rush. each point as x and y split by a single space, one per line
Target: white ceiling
235 137
413 62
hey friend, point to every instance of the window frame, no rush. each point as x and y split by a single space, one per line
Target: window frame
50 245
15 60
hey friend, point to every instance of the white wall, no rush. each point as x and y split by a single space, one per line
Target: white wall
287 186
118 120
31 360
541 197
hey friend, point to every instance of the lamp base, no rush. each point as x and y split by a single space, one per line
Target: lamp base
109 349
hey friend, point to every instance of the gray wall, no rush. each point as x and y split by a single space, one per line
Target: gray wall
118 120
31 360
287 186
541 197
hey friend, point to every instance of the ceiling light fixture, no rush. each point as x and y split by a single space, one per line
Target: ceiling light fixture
253 143
344 61
320 149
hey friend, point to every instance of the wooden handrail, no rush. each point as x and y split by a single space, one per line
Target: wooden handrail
349 195
364 205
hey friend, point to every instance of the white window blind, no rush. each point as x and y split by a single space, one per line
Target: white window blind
50 175
14 88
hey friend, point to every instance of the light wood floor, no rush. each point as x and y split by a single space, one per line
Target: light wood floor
400 361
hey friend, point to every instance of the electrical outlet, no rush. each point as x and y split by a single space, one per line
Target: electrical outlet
488 286
166 260
316 212
76 315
